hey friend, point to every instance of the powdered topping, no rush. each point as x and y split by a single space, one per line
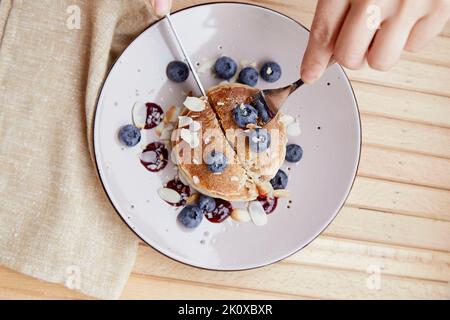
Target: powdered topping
190 137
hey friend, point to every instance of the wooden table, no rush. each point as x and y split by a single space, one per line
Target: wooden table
392 238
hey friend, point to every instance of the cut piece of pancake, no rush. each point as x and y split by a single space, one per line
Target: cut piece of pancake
260 166
233 184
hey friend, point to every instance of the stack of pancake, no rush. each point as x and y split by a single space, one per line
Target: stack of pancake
247 173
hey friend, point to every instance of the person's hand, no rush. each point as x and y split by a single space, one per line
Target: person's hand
377 31
161 7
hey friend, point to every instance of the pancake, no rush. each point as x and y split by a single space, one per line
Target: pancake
260 166
233 184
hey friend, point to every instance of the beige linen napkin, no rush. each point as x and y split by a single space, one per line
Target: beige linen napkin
56 223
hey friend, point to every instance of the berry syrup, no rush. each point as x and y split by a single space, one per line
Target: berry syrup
181 188
221 212
155 157
154 115
269 203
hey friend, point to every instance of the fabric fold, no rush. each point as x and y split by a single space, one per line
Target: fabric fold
57 224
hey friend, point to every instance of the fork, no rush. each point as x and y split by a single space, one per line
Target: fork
273 99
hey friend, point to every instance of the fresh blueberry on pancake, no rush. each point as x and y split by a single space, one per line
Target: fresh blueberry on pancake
245 114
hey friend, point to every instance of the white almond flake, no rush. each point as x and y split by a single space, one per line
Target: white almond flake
159 129
148 156
171 114
166 132
194 104
257 213
195 141
293 129
220 103
234 178
240 215
217 173
190 137
287 119
196 179
195 126
185 134
195 161
169 195
139 114
184 121
281 193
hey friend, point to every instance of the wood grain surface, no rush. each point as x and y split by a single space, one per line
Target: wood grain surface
396 221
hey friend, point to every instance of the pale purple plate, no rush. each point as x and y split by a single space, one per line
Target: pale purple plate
328 117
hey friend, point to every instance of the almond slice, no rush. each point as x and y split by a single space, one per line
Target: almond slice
169 195
184 121
281 193
193 198
194 104
185 134
287 119
195 141
148 156
159 129
171 114
257 213
196 179
139 114
190 137
240 215
264 188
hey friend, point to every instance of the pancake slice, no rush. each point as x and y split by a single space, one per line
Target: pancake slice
260 166
200 133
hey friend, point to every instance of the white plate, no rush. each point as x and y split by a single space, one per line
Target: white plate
328 116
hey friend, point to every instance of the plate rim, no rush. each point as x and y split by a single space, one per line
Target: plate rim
94 148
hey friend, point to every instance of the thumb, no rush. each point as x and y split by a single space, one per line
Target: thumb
161 7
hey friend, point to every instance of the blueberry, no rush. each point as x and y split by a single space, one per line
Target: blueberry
280 180
190 216
262 110
245 114
225 68
293 153
271 71
129 135
206 203
216 161
177 71
259 140
248 76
